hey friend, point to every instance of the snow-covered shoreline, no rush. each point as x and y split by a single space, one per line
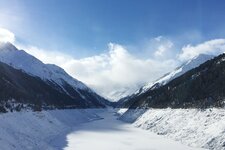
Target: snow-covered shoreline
193 127
35 130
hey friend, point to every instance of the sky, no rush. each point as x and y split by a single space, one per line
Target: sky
114 45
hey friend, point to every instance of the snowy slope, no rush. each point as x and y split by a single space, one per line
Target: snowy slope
36 130
194 127
193 63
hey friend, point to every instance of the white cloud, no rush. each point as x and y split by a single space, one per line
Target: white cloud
112 71
159 47
213 47
6 35
162 48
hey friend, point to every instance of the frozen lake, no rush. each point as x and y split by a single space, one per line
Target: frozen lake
112 134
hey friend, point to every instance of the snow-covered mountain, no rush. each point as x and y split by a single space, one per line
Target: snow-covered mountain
51 74
193 63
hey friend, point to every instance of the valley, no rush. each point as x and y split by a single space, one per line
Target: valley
112 134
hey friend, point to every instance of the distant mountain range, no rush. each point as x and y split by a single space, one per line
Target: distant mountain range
25 81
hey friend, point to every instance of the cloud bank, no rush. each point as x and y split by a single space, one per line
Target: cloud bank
6 36
212 47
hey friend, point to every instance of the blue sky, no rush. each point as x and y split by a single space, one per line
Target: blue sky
85 27
115 45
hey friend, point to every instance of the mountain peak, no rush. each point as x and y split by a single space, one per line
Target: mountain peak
204 56
196 61
7 46
200 57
